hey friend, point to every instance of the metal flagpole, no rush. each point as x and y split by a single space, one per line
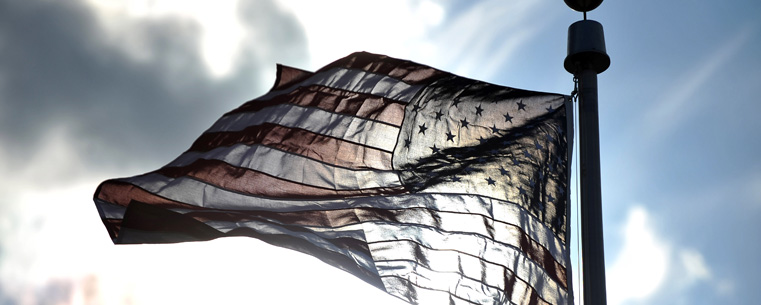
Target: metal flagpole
587 58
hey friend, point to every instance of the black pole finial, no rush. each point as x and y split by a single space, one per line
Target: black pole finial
583 5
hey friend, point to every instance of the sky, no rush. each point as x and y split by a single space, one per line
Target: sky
91 90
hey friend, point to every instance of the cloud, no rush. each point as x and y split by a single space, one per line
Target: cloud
642 265
220 30
63 68
652 270
475 39
82 100
396 27
694 266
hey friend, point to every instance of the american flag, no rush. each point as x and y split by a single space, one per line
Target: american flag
435 188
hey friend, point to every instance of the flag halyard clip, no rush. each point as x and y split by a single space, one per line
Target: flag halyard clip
575 92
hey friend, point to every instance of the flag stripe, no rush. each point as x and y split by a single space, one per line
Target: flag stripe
191 194
404 70
357 81
467 288
287 75
344 243
347 251
351 243
493 275
446 259
353 129
488 249
406 290
342 261
525 269
299 141
410 291
556 272
335 100
541 276
456 223
291 167
217 173
109 210
113 226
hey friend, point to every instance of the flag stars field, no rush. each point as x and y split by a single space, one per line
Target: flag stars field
521 106
464 123
450 136
479 110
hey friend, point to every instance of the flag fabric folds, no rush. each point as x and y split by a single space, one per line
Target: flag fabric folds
435 188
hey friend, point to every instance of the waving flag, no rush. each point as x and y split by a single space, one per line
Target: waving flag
436 188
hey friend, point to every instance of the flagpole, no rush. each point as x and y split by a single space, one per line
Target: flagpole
587 58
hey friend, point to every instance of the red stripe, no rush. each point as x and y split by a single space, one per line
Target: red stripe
122 193
335 100
541 255
113 226
299 141
405 70
287 76
527 296
251 182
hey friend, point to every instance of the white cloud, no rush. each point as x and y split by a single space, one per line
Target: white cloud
221 31
694 265
642 265
336 28
725 287
46 217
648 266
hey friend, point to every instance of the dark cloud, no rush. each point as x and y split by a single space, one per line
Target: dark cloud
58 70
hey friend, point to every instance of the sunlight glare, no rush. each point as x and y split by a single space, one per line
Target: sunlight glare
642 265
405 24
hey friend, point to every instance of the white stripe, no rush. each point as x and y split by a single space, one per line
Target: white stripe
523 267
422 295
453 223
357 81
473 204
353 129
455 283
197 193
426 295
316 238
458 223
293 167
109 210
